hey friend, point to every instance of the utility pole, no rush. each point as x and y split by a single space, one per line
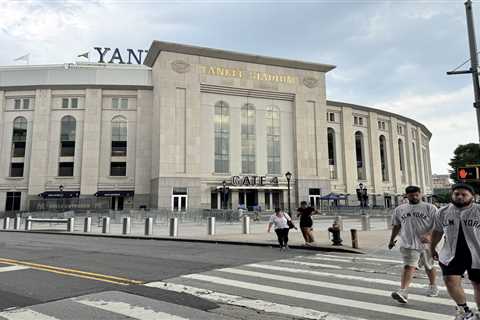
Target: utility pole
473 61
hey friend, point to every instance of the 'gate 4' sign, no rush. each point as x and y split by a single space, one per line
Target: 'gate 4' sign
253 180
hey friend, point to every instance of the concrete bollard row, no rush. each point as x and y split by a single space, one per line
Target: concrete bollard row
173 227
6 223
246 225
211 226
106 225
126 225
71 225
16 223
149 226
28 223
87 225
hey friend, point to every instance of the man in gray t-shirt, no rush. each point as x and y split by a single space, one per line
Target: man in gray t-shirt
414 221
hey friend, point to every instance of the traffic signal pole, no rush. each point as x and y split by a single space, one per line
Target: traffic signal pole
473 61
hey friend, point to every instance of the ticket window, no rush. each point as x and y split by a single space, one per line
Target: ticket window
179 200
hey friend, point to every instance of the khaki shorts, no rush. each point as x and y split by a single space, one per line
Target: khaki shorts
417 258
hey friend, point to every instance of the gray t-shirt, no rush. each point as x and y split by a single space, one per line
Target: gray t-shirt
416 220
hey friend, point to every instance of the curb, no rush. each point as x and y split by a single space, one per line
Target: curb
323 248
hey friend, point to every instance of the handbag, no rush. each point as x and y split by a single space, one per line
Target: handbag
290 223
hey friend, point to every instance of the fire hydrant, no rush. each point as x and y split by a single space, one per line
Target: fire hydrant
335 230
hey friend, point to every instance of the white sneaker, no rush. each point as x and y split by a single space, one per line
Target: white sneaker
432 291
400 295
462 315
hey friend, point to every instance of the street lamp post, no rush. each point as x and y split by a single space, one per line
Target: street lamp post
224 183
62 194
288 175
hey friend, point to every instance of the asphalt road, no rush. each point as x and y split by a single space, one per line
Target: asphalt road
61 266
59 277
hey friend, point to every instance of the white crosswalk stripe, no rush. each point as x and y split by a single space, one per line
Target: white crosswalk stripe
25 314
319 290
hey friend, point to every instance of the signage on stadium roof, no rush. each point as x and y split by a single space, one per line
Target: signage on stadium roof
130 56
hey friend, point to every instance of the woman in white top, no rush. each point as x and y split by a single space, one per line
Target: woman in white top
280 222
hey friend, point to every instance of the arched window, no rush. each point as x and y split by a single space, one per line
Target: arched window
383 157
119 137
67 136
414 153
19 137
360 155
248 138
272 119
222 137
332 157
401 159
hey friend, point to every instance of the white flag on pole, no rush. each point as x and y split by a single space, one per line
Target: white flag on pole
25 58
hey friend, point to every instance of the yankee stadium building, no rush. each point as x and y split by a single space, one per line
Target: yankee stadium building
194 127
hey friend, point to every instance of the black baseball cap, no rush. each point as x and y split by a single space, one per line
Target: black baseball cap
463 186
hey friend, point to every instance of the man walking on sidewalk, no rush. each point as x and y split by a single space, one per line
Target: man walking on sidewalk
460 223
414 221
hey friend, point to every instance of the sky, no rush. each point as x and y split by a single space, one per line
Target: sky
391 55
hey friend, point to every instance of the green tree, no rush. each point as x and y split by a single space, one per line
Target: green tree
464 155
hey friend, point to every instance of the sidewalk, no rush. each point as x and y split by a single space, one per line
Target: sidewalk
231 233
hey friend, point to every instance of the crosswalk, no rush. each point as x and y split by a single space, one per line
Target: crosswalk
320 286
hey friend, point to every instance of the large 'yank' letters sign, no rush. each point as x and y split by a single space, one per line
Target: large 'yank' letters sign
134 56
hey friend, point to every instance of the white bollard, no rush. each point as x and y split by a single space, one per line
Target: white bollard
339 221
87 225
149 226
126 225
106 225
28 223
173 227
365 223
211 226
6 223
17 222
71 225
246 225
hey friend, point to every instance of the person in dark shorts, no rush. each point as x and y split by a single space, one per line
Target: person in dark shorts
306 222
460 223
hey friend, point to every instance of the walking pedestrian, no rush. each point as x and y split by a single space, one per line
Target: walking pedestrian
306 222
280 221
460 223
414 221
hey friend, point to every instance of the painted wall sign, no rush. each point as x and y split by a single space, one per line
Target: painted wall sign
254 180
131 56
249 75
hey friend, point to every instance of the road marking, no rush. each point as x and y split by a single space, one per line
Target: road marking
13 268
128 310
339 260
71 272
415 314
330 266
311 264
354 258
343 276
259 305
25 314
332 285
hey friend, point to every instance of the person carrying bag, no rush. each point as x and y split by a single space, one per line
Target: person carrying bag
282 224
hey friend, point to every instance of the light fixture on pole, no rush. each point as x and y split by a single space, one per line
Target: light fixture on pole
60 187
288 175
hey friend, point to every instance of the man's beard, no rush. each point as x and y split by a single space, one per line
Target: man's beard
461 204
414 201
